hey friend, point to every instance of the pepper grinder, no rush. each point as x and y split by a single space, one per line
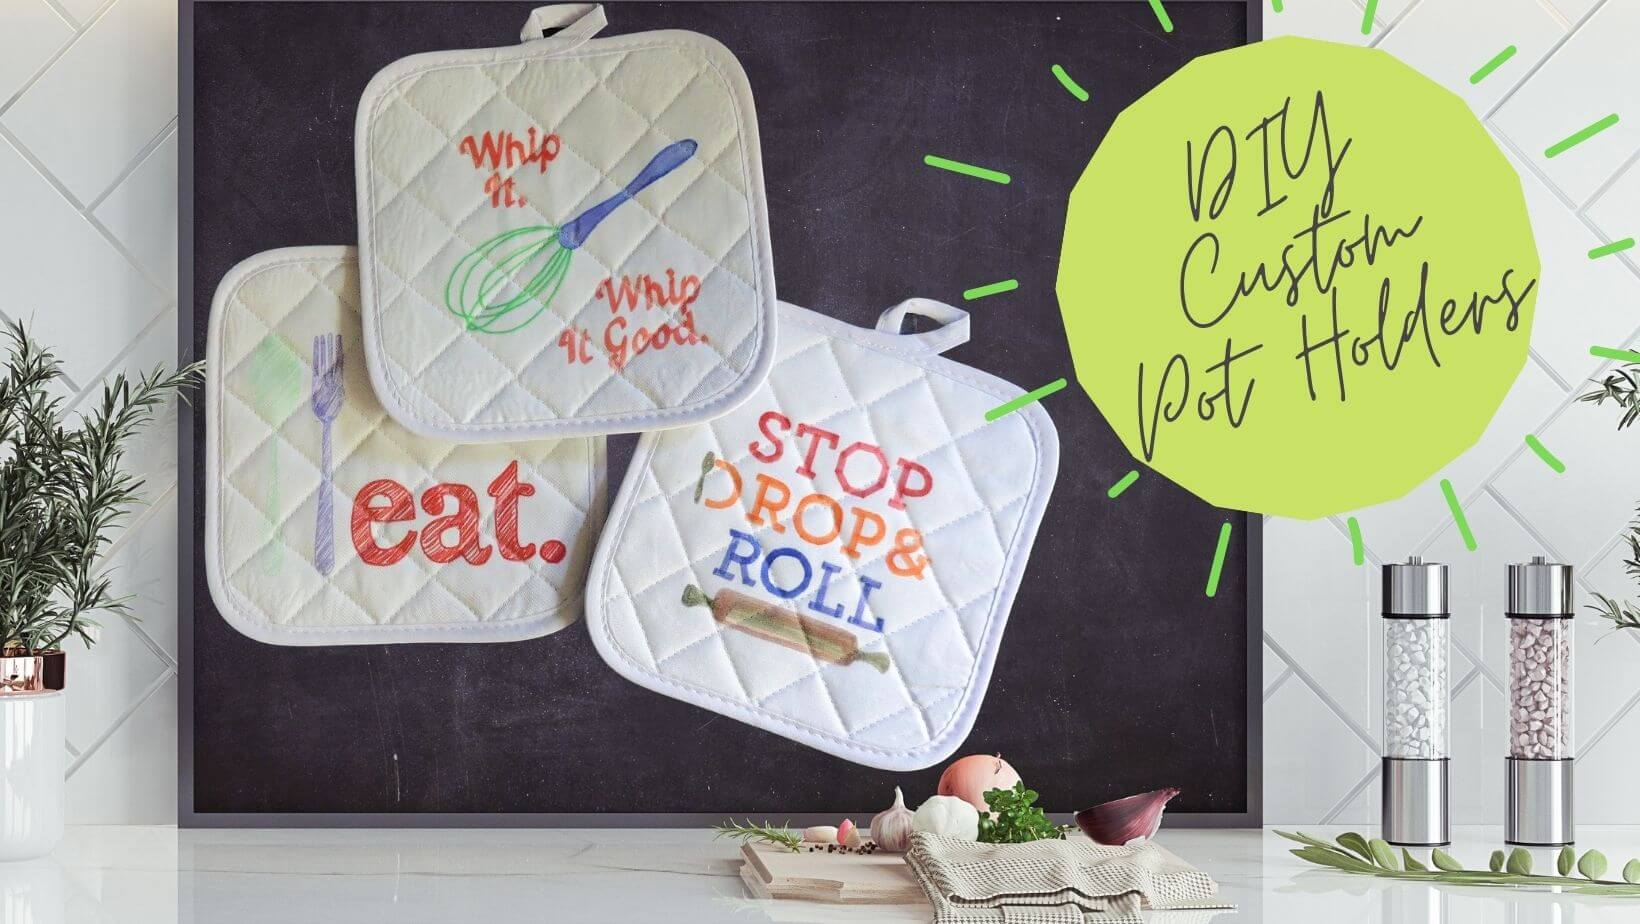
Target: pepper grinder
1417 691
1539 812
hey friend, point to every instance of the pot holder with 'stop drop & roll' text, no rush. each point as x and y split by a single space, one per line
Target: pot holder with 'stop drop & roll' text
563 237
834 560
327 523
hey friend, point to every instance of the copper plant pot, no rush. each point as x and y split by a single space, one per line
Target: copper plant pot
21 672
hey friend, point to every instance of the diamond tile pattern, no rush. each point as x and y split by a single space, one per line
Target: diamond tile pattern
263 466
1569 71
87 246
940 630
615 104
125 773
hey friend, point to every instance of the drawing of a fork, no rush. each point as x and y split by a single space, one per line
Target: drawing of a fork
326 403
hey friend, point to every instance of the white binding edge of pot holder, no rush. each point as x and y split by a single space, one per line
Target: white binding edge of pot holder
566 31
920 350
241 613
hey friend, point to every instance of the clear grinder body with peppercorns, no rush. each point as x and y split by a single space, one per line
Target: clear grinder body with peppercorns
1539 765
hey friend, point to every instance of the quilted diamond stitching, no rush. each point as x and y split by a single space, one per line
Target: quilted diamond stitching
565 594
653 492
529 385
712 168
429 574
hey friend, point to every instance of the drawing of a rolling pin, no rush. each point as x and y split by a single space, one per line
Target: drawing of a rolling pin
784 627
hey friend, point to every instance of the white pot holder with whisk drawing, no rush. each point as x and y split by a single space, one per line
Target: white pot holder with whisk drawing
327 523
834 560
563 237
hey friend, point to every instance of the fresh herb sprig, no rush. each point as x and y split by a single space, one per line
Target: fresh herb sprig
63 490
1621 386
1622 614
1355 854
764 833
1015 819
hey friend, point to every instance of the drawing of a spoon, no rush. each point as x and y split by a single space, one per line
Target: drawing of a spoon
507 257
326 402
276 391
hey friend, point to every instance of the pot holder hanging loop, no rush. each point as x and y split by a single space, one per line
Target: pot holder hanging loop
952 332
569 23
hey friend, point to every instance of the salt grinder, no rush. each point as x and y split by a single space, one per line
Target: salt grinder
1417 692
1539 812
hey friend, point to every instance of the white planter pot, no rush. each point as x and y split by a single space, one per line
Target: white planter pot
31 774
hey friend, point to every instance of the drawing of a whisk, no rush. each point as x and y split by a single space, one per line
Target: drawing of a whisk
503 263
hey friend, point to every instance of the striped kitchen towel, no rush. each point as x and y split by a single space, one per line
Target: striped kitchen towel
1071 881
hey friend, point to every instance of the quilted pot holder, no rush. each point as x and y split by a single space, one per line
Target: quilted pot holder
834 560
328 523
563 237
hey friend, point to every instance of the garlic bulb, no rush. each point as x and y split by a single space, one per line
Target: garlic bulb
947 815
820 834
891 827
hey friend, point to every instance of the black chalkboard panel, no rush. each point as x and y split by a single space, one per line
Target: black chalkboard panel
1116 674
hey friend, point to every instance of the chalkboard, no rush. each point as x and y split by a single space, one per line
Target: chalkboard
1117 673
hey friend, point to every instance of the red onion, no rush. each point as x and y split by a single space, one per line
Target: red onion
1126 820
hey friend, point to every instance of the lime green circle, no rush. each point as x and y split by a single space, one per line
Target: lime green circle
1415 183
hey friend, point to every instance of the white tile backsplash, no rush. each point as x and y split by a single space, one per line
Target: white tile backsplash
100 288
1516 505
1445 40
1581 302
142 212
1617 211
1594 74
105 99
76 289
33 32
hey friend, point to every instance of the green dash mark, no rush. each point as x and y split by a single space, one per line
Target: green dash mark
995 288
1120 486
1161 15
1606 250
1218 559
1543 453
1275 5
1457 515
1627 356
1357 550
1492 65
957 166
1581 135
1003 410
1367 17
1071 86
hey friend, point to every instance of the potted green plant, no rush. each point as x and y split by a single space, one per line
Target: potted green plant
1621 386
63 490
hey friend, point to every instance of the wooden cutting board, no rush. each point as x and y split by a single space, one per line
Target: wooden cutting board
880 878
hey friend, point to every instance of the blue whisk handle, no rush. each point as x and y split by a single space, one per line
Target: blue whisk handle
670 158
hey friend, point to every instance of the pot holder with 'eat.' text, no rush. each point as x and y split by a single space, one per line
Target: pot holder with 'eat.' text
834 560
327 523
563 237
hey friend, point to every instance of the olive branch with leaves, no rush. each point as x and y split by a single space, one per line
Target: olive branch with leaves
1352 853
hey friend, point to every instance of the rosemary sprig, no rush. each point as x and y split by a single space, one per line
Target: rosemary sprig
1356 854
764 833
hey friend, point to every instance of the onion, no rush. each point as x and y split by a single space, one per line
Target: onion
970 778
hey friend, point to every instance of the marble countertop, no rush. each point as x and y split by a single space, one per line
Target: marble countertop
160 874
